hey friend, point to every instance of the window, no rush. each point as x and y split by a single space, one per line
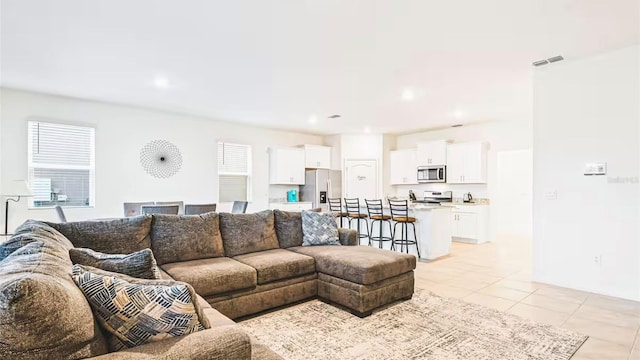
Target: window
61 164
234 172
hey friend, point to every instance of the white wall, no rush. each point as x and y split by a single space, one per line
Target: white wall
121 132
586 110
501 136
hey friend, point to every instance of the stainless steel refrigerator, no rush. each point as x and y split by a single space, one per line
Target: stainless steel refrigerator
320 185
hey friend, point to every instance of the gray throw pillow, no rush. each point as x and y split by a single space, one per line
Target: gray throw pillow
137 311
319 229
116 236
247 233
288 228
140 264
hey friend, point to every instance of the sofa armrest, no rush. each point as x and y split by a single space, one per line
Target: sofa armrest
220 343
347 237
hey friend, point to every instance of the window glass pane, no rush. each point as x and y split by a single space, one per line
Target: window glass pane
61 187
232 188
61 164
61 144
233 158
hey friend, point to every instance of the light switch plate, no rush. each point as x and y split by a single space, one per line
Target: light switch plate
551 195
595 168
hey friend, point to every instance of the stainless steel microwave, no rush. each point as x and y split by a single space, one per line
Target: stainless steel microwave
432 174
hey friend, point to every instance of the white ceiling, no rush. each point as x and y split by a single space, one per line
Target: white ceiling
276 63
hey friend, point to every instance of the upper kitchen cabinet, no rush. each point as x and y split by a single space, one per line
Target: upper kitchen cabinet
432 153
403 167
286 166
467 163
317 157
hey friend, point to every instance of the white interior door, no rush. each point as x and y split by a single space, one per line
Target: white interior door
361 179
513 206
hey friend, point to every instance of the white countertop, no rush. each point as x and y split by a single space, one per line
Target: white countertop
290 202
459 203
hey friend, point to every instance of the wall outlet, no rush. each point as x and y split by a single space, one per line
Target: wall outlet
551 195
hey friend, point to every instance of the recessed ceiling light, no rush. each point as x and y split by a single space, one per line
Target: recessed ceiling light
458 114
313 119
367 129
408 95
161 82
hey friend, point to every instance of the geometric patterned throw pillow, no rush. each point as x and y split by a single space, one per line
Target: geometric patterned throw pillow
319 229
141 312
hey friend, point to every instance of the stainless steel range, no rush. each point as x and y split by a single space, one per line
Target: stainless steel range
435 197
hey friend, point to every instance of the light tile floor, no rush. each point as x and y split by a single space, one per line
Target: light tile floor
497 275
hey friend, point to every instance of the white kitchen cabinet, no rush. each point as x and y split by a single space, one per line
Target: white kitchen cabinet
286 166
403 167
467 163
317 157
470 223
432 153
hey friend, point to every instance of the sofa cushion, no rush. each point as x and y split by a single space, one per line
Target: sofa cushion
213 276
359 264
140 264
319 229
117 236
136 311
288 228
247 233
277 264
186 237
43 315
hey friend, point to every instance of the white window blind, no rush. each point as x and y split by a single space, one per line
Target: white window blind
61 164
234 172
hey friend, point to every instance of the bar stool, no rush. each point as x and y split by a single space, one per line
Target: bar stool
335 206
376 214
353 211
400 214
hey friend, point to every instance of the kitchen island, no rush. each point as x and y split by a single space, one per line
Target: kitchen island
433 228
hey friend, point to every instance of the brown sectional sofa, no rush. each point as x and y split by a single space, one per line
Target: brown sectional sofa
238 264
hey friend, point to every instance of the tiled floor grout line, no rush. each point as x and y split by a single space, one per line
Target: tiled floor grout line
574 311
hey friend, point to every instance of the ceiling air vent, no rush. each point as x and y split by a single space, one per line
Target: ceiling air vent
540 62
555 59
548 61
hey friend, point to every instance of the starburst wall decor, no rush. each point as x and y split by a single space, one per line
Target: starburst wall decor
161 159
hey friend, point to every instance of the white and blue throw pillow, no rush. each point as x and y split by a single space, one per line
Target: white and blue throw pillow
319 229
138 313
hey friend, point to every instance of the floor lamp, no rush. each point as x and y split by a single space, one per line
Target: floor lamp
17 189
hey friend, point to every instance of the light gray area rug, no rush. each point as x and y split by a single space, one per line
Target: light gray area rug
426 327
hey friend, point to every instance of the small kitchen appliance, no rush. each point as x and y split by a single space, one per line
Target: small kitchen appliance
292 196
436 197
432 174
467 197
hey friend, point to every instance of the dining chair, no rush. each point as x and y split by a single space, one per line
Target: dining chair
133 208
239 207
160 209
197 209
179 203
